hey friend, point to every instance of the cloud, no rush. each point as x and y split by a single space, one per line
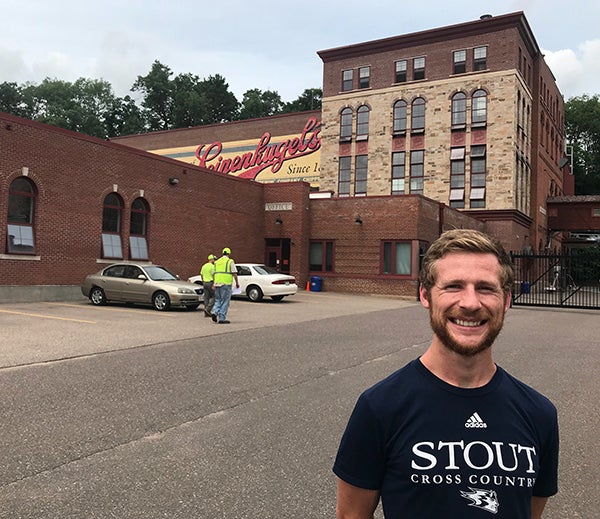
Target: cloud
577 72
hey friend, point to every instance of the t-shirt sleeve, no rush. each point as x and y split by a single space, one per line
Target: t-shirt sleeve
360 460
546 484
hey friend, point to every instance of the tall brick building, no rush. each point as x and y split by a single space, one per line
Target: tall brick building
468 115
460 126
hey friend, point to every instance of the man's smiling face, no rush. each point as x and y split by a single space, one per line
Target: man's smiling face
466 304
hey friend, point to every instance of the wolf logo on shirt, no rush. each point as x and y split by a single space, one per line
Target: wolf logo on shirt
484 499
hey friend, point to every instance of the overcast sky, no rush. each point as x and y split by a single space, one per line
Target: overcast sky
270 45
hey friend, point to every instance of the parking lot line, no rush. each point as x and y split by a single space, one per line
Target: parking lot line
47 316
116 308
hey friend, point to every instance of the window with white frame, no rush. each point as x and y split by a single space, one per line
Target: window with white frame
361 173
364 77
401 71
417 115
479 108
347 80
346 124
344 176
362 123
460 61
478 174
417 160
111 227
138 230
398 172
459 111
480 58
419 68
20 221
457 178
399 117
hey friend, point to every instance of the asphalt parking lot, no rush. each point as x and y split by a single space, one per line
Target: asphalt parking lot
127 412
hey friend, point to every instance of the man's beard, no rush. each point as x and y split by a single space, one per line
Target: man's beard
438 325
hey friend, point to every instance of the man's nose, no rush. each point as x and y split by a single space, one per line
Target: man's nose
469 298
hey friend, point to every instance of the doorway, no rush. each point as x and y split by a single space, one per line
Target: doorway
277 254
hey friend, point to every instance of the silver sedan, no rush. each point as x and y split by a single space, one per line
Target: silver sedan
144 284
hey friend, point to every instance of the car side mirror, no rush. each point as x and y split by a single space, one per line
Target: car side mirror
142 277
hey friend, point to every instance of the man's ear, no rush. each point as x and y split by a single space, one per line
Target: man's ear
423 296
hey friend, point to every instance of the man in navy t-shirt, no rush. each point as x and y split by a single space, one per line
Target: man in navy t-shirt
452 435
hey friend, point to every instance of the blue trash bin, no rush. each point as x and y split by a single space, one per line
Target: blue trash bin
316 282
525 287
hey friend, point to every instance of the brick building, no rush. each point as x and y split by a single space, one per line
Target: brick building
468 115
460 126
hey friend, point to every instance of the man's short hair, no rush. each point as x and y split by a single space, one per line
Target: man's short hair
466 240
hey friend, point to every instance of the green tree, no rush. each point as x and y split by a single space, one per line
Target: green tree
257 103
11 99
582 128
310 99
219 104
157 94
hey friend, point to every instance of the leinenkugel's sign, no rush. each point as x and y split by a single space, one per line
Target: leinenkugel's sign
270 159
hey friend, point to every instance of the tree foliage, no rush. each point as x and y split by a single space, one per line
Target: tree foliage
165 101
582 128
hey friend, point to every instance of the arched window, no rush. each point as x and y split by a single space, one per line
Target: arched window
479 108
362 123
400 116
417 115
111 227
21 213
138 230
346 124
459 111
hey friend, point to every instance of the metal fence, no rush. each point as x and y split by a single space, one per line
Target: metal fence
566 280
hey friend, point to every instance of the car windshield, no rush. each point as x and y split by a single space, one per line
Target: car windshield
264 270
160 274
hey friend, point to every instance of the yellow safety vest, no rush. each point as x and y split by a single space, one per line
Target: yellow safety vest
223 275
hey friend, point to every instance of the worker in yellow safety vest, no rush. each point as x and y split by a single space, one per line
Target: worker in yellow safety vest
225 274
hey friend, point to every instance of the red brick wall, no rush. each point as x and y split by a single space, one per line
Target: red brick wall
73 174
500 35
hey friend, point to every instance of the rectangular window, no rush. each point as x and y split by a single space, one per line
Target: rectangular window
138 247
457 178
478 170
321 256
596 211
344 176
396 258
20 239
111 246
460 61
401 71
364 77
480 58
360 175
418 68
347 80
416 171
398 172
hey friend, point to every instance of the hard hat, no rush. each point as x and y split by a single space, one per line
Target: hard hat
211 256
226 250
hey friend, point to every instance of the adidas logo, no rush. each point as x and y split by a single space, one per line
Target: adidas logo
475 422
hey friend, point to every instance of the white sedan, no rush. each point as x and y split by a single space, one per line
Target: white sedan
258 281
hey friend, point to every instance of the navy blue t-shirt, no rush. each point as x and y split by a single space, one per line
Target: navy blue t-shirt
434 450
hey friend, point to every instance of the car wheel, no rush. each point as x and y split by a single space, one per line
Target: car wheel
277 298
193 307
161 301
254 293
97 296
